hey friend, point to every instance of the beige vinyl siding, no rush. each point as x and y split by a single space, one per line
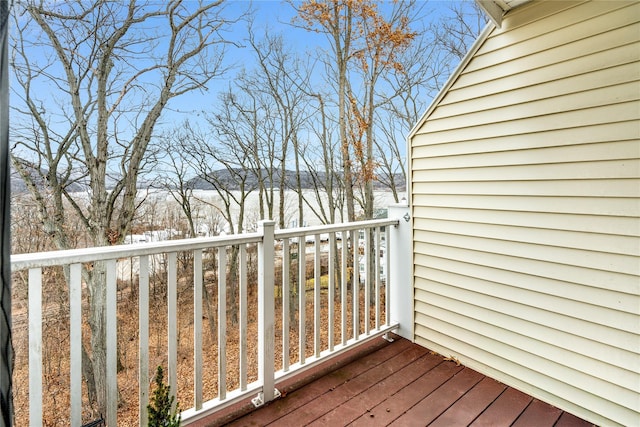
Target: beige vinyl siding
525 192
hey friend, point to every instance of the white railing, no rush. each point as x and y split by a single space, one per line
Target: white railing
346 308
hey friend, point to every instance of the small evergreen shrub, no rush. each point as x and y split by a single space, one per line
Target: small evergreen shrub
160 409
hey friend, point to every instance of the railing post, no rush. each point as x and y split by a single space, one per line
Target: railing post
400 275
266 313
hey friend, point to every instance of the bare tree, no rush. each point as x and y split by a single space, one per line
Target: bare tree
220 162
364 45
179 180
321 161
92 80
177 176
244 123
280 76
456 31
335 19
386 37
426 63
420 80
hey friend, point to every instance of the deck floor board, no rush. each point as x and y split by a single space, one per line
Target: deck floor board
354 386
504 410
476 400
430 408
353 408
395 405
403 384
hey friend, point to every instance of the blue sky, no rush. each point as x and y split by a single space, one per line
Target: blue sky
276 16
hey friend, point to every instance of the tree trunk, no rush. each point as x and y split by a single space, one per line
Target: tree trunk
211 314
232 285
97 323
87 374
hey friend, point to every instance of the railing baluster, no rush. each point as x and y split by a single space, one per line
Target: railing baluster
343 287
376 267
387 276
355 288
172 321
368 249
317 279
111 308
143 342
331 302
302 299
197 328
286 263
35 346
243 316
75 338
222 323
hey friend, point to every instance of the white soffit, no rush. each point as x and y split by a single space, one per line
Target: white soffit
495 9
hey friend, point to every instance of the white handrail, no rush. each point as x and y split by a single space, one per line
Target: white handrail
72 256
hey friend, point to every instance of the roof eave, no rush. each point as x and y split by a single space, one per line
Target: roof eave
493 11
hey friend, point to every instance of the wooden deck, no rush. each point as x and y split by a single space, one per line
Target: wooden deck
398 384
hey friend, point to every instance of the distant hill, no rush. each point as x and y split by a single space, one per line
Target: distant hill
223 176
230 180
18 185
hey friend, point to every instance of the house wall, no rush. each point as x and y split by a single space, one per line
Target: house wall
525 196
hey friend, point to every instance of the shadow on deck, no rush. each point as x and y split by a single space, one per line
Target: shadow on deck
399 384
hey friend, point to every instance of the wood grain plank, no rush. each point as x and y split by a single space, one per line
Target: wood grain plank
465 410
538 414
504 410
396 405
324 403
353 408
311 391
570 420
429 408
